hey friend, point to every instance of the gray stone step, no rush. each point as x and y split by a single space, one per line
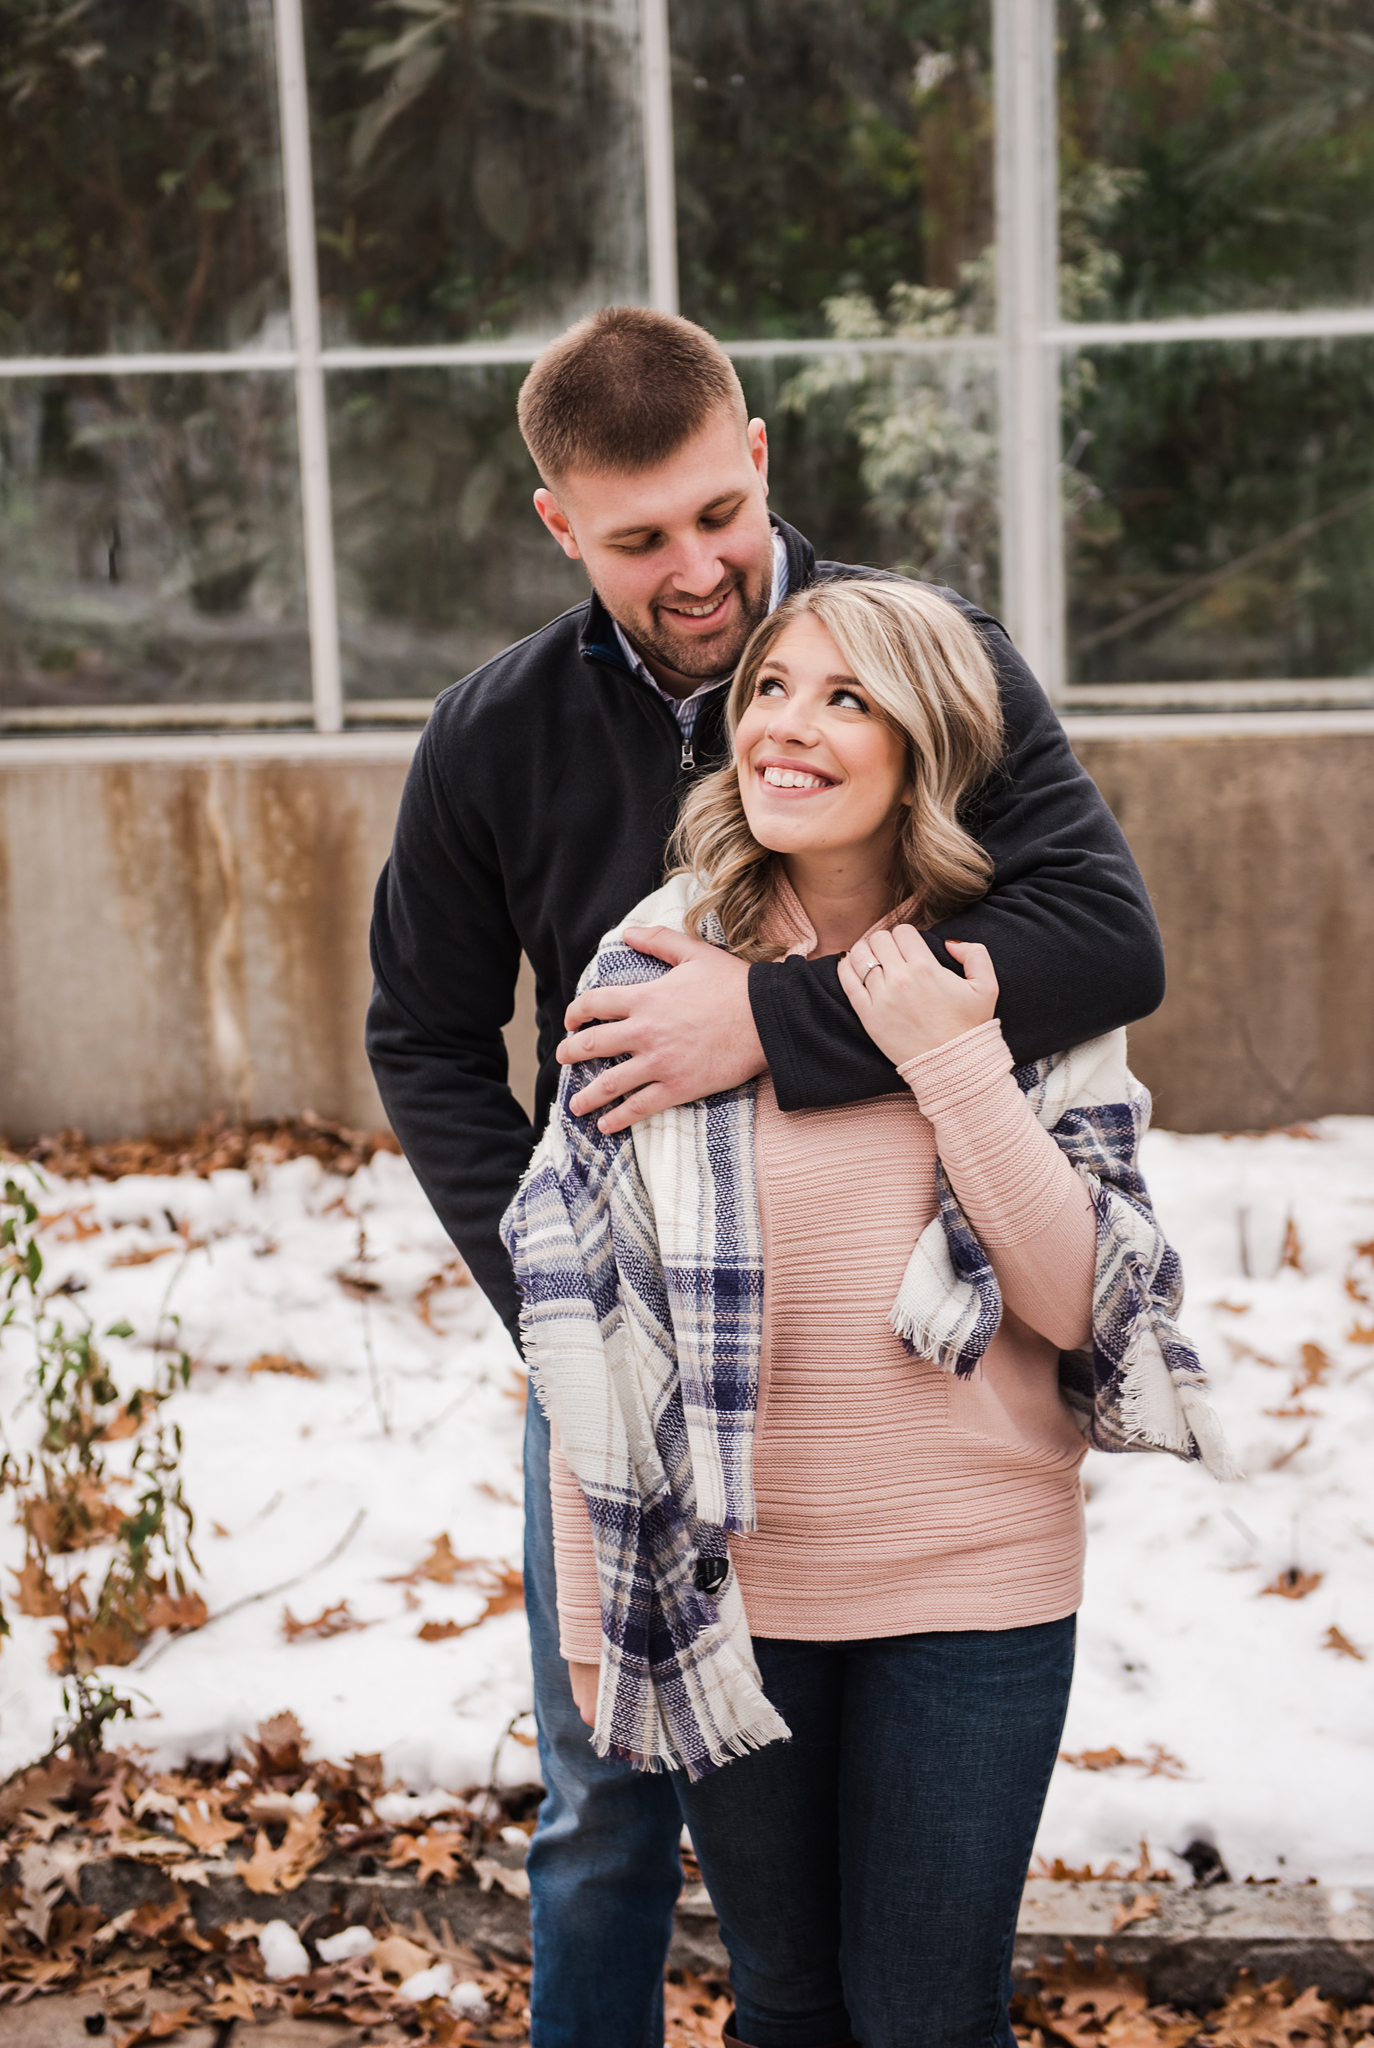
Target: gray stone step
1188 1942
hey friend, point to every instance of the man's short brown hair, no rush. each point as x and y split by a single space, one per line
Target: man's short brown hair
623 390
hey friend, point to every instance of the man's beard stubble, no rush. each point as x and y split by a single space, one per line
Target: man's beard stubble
701 660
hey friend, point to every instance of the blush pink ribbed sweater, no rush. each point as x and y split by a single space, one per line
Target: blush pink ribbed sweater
893 1498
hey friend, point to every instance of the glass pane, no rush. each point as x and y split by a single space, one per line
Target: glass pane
441 557
1215 157
150 541
1221 512
889 460
140 189
827 149
478 168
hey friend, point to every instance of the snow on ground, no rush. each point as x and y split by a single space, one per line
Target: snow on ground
1260 1732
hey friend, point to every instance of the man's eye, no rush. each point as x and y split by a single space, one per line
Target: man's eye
714 524
640 547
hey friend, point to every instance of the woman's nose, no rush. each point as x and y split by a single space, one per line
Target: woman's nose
790 726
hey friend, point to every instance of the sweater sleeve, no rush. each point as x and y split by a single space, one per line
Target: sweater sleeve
579 1600
1031 1210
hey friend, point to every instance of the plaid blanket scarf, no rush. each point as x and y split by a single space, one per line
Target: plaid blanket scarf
640 1263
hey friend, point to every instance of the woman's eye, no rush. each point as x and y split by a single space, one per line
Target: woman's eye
769 686
849 700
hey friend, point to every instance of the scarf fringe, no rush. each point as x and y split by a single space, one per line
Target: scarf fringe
767 1728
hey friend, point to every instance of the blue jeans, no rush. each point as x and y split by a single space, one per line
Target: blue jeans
604 1866
867 1873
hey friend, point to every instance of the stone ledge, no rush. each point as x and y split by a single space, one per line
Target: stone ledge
1188 1945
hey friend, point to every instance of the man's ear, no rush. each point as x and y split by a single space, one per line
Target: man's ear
758 449
556 519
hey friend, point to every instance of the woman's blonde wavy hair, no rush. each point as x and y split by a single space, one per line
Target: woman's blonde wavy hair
928 676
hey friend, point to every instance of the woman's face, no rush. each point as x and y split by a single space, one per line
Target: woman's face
820 771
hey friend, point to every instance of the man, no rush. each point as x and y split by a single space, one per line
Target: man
536 812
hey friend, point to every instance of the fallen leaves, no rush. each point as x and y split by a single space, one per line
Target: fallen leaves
296 1811
1285 1457
1144 1906
304 1845
1316 1364
439 1853
204 1825
454 1274
1293 1584
694 2011
337 1620
1336 1639
235 2001
1160 1763
159 2026
503 1585
278 1362
1069 2005
441 1567
38 1595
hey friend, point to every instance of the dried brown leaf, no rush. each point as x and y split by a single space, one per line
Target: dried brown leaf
203 1824
278 1362
337 1620
399 1958
1293 1584
159 2026
1098 1759
1335 1639
1144 1906
177 1610
235 2000
280 1745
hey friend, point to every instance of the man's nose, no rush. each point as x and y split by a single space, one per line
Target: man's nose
698 570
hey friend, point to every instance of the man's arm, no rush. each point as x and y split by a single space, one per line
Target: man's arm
1067 921
445 957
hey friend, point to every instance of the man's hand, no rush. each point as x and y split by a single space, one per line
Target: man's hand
689 1034
585 1679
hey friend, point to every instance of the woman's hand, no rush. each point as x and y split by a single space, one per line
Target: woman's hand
906 1001
584 1679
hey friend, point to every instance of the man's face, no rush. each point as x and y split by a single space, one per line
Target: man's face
681 555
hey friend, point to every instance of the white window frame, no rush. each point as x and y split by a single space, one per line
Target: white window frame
1029 345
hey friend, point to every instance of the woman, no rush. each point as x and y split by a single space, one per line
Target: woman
817 1507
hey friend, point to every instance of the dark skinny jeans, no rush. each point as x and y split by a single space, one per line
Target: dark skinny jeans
867 1873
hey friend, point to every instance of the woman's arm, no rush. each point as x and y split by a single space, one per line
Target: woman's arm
1031 1211
579 1598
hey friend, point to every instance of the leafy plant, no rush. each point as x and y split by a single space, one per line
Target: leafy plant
64 1490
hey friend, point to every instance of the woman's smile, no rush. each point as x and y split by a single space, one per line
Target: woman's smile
789 778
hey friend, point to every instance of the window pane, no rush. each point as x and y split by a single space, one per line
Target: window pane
1215 157
140 189
888 460
150 542
441 557
478 169
1221 512
829 147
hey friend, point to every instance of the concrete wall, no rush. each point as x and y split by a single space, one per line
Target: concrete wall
183 922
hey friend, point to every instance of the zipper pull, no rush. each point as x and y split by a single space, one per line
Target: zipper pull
689 759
